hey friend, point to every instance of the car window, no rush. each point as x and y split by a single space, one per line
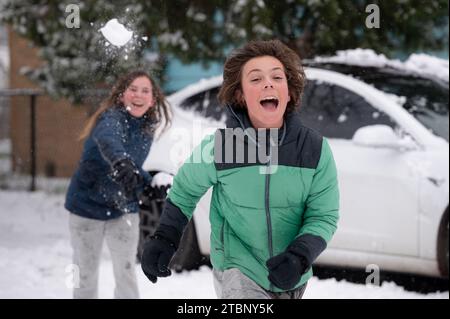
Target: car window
337 112
193 103
426 100
205 104
213 109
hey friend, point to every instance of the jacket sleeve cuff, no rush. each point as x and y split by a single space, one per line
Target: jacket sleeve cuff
309 247
171 223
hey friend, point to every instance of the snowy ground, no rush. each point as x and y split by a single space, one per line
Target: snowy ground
35 259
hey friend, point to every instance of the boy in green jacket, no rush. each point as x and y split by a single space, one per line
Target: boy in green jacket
272 214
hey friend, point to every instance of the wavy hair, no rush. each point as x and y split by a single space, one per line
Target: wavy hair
231 88
159 113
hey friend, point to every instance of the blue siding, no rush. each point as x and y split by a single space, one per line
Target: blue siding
179 75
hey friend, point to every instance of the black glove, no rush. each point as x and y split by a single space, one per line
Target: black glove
155 192
287 268
127 174
156 257
160 248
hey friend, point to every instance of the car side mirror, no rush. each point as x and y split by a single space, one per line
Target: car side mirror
382 136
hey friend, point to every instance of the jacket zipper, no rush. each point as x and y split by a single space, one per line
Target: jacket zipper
266 199
221 232
266 204
221 236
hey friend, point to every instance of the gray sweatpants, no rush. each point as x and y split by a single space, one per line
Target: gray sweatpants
233 284
121 235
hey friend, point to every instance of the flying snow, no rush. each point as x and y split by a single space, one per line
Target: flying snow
116 33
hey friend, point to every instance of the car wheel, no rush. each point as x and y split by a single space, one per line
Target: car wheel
150 212
188 255
443 245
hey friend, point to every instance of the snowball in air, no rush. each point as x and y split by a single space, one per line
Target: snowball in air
116 33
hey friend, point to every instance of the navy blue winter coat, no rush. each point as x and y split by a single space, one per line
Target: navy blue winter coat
92 193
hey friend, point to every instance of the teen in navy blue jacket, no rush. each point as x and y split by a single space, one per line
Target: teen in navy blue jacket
103 195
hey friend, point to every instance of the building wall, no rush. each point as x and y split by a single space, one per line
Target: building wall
58 122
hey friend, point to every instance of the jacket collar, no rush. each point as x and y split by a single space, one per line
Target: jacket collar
238 118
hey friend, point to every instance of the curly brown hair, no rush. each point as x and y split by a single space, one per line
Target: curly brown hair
231 89
159 114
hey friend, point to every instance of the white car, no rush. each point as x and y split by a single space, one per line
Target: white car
393 172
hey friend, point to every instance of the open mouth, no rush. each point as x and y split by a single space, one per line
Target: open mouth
269 103
134 106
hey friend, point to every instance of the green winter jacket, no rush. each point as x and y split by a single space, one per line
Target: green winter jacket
258 209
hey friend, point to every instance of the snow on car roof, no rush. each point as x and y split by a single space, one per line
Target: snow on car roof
418 64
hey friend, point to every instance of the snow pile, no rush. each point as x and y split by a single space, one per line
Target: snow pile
116 33
36 258
361 57
333 289
418 64
428 65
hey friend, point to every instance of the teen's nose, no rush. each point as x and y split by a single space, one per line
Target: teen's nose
137 93
268 84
